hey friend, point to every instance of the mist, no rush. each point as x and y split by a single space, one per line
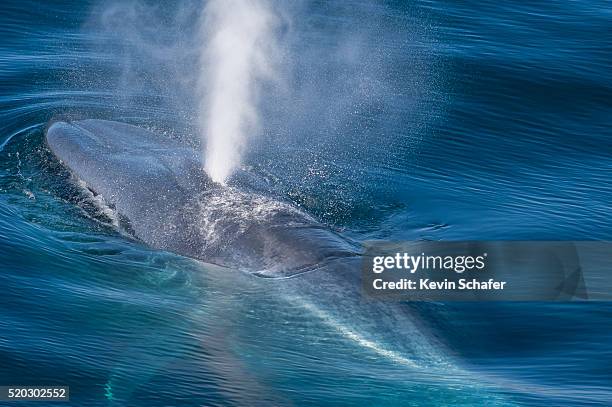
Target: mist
239 56
281 88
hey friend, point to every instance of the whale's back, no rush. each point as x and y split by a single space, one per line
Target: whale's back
158 185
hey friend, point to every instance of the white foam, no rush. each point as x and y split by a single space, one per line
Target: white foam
100 204
230 207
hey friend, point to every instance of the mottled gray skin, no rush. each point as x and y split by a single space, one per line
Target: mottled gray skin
158 185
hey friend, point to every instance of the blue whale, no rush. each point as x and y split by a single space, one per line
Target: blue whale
166 200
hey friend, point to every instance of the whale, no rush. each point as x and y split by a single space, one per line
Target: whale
156 185
163 197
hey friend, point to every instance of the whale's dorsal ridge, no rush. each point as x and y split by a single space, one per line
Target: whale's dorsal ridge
159 185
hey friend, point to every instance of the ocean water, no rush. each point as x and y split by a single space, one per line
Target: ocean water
397 120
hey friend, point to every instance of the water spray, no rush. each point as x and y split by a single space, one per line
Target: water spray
238 58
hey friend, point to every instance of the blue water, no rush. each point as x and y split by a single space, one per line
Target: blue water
426 120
